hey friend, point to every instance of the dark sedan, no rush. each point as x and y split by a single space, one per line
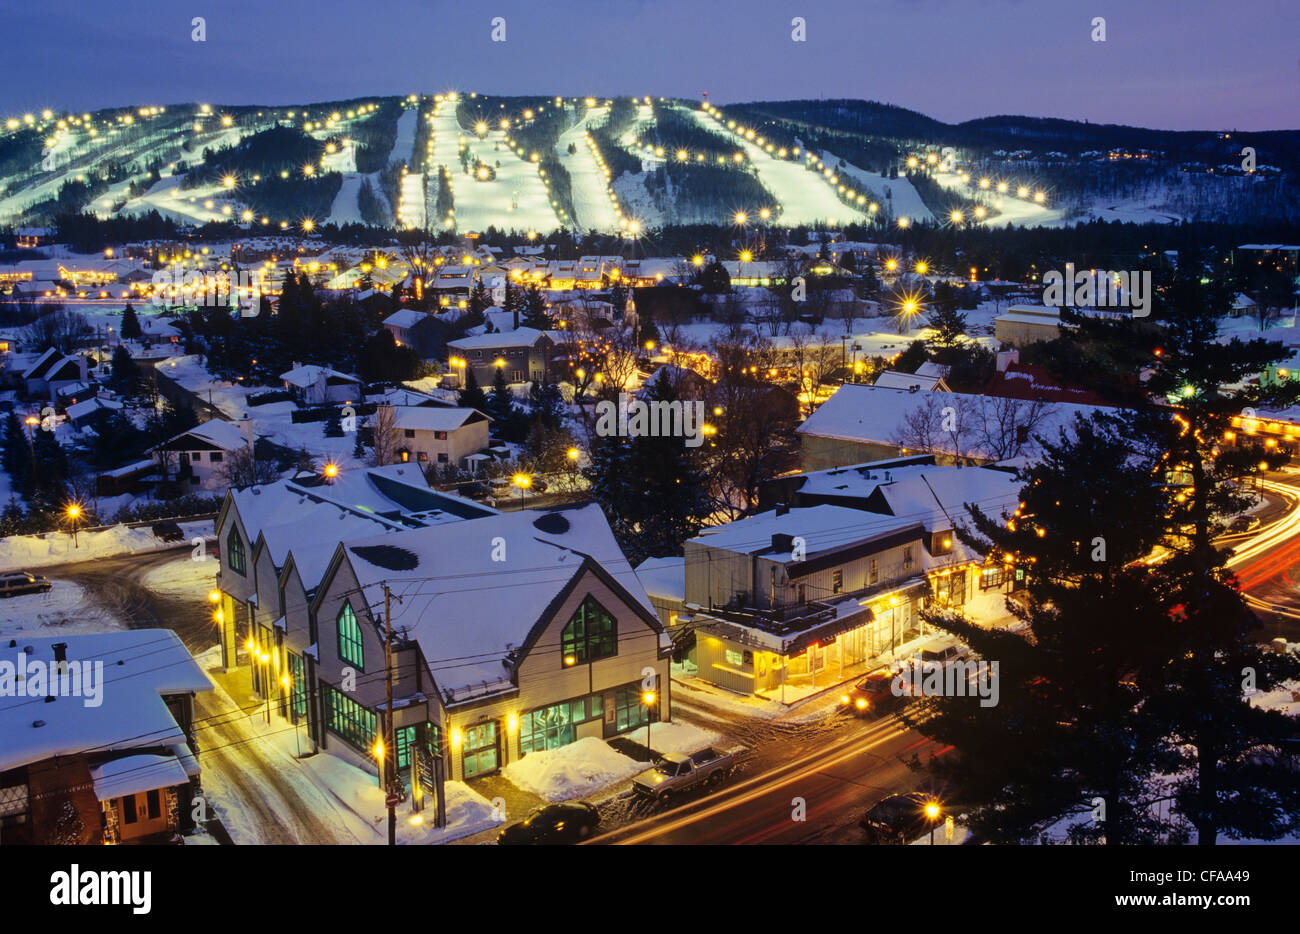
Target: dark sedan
554 823
900 819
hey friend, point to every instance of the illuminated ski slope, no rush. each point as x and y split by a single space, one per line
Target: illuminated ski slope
516 199
804 197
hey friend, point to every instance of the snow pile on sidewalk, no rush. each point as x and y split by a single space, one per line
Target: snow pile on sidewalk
572 771
31 551
62 610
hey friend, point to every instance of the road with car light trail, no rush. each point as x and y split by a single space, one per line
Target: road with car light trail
835 782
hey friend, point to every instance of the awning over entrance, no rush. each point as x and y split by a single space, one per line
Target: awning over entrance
133 774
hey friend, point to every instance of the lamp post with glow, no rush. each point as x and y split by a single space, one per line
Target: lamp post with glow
648 698
73 513
932 814
32 422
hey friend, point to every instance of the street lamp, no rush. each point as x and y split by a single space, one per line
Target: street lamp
73 513
932 813
648 698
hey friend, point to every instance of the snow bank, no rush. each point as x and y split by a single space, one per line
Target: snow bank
64 609
572 771
30 551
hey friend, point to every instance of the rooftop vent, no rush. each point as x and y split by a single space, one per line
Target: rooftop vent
389 557
552 523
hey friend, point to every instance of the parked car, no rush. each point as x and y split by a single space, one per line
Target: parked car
168 531
872 696
554 823
1243 524
676 773
946 654
15 583
898 819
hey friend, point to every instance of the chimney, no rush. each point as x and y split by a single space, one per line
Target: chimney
782 509
1006 358
60 652
246 429
782 542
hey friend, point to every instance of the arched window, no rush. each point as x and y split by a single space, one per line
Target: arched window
351 651
235 551
589 635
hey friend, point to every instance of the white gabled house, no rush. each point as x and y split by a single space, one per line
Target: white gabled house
320 385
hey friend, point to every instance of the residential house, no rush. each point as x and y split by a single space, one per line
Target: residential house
891 379
437 435
104 751
418 330
523 354
320 385
197 458
53 371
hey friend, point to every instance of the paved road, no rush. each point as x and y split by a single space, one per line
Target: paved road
117 585
810 789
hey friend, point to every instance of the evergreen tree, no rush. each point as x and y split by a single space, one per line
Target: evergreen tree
130 324
472 396
501 407
533 306
1067 725
125 378
948 323
17 459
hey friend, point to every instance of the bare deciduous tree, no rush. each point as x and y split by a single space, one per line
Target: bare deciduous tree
385 436
242 468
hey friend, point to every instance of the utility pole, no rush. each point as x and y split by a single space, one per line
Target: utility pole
390 757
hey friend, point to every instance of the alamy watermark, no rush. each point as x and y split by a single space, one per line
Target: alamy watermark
209 290
920 678
1097 288
36 678
631 417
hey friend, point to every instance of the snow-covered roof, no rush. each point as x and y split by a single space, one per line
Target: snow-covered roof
225 435
304 377
131 775
522 337
930 368
405 318
664 578
861 413
81 409
385 498
138 667
468 611
823 528
891 379
433 418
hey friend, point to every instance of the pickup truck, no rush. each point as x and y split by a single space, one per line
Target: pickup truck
674 774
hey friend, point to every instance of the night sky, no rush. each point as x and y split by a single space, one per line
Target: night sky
1173 64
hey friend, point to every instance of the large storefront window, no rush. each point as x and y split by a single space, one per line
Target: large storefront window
629 710
348 719
555 726
590 635
482 752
